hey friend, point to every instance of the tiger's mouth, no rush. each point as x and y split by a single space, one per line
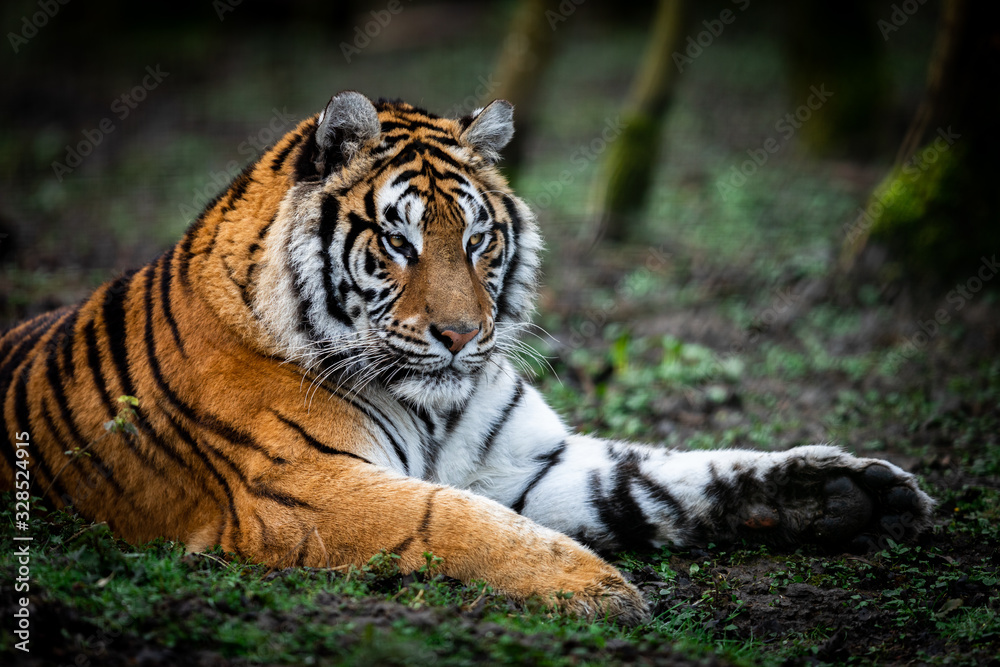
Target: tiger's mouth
443 370
440 387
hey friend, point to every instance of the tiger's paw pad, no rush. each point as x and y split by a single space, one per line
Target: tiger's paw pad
863 507
822 495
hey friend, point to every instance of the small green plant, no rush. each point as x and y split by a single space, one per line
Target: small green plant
431 564
383 565
124 420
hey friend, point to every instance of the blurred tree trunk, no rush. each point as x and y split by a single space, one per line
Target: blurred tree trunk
937 213
521 63
838 46
628 170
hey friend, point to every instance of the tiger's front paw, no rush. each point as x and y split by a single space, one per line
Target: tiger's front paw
609 598
571 579
820 494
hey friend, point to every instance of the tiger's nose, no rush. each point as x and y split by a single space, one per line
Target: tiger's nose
453 340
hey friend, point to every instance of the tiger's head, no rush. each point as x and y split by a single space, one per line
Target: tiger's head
399 255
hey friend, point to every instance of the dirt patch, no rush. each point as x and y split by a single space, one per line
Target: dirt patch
758 597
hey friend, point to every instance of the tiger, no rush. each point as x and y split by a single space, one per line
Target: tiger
322 370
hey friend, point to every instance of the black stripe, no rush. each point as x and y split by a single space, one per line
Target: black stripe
662 495
489 205
113 312
548 462
245 288
391 160
94 362
454 417
263 491
357 226
237 189
7 445
436 152
74 461
431 132
305 161
409 152
401 547
381 422
411 123
447 175
406 124
262 232
370 204
313 442
184 247
726 496
497 426
166 280
279 159
115 328
304 323
503 306
244 293
329 217
265 533
386 147
391 344
404 176
192 232
22 348
619 511
425 523
67 337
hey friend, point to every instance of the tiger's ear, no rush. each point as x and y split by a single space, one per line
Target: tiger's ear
490 129
346 124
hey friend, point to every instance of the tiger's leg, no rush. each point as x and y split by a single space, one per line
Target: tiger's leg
613 495
345 511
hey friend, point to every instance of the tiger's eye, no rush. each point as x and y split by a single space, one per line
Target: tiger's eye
397 240
476 239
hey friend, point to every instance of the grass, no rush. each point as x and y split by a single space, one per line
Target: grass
156 595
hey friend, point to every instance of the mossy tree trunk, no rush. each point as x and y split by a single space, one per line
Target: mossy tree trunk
936 216
523 59
627 172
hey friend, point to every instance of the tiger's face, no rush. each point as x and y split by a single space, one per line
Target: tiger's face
409 259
